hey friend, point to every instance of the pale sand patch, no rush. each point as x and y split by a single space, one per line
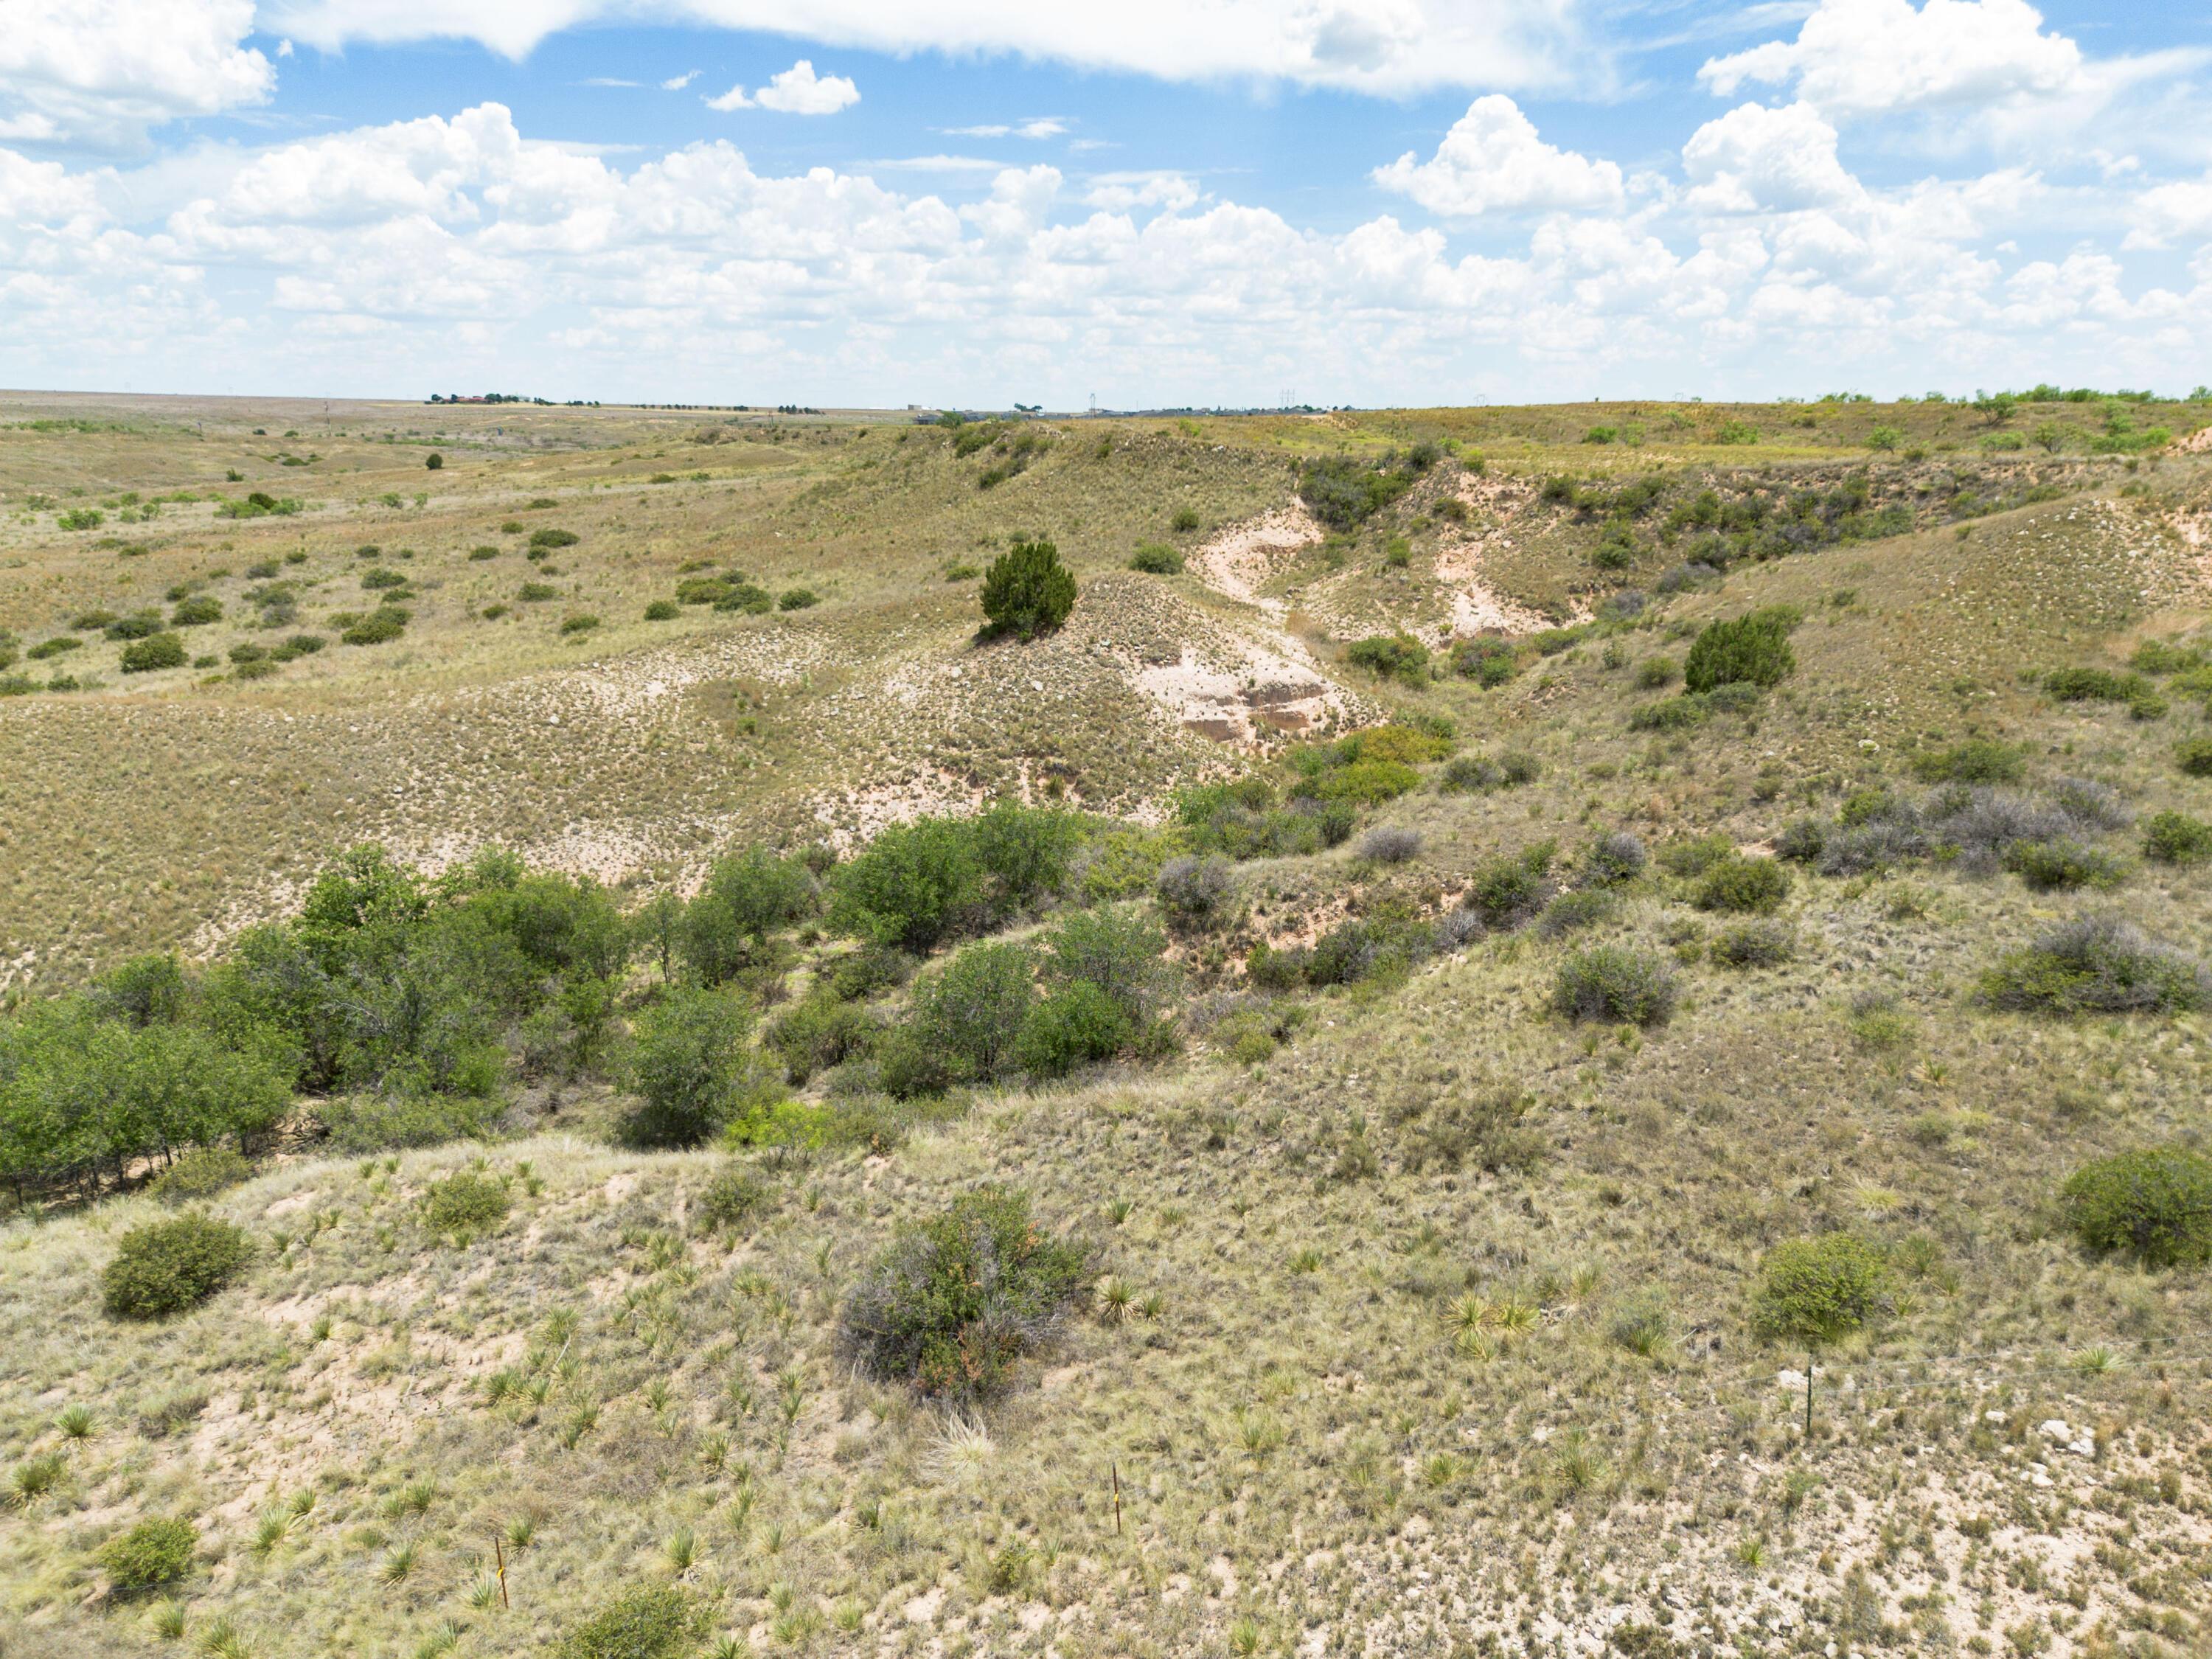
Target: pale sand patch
1258 701
1238 560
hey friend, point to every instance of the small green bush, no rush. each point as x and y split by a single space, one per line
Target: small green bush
381 627
797 598
1744 886
1615 984
818 1033
1078 1024
734 1196
200 1173
655 1621
1753 944
1819 1290
662 610
2195 757
1669 714
1028 591
2096 964
2047 865
955 1301
1978 760
2093 685
2177 838
581 624
1488 663
2154 1204
465 1202
158 1551
1753 649
1390 656
1506 892
1157 559
537 592
155 651
550 537
1367 783
167 1267
1185 521
197 611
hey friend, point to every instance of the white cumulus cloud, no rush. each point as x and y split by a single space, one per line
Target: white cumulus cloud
799 91
1865 57
1757 159
677 82
1492 160
103 72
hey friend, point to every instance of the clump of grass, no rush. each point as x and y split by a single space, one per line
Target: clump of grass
2177 838
1753 944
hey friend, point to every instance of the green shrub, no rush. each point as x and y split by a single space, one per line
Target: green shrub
691 1067
1753 649
1075 1025
197 611
381 627
465 1203
1506 892
537 592
1669 714
158 1551
746 897
1367 783
1819 1290
2096 964
141 625
816 1033
580 624
797 598
1488 663
359 1124
434 460
732 1196
2047 865
1185 520
1753 944
1027 591
1744 886
154 651
2154 1204
915 885
378 577
1469 773
1695 855
1157 559
655 1621
163 1267
2177 838
1390 656
662 610
1978 760
954 1302
2195 757
1028 853
200 1173
971 1009
1615 984
2093 685
550 537
1653 672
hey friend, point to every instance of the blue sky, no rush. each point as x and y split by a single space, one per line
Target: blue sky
1212 201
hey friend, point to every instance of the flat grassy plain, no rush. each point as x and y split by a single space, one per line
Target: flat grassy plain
1419 1325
